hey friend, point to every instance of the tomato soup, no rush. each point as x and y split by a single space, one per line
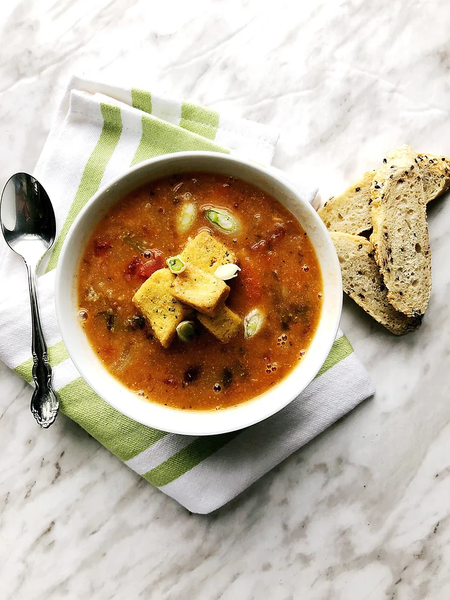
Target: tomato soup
279 281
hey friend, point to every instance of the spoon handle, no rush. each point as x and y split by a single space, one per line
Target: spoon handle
44 402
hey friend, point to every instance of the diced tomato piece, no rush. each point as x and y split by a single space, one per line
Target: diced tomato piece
100 247
144 268
156 262
132 267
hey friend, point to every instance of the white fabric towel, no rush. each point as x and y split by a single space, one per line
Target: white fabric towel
99 131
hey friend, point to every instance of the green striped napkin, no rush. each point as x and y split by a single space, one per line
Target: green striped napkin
99 131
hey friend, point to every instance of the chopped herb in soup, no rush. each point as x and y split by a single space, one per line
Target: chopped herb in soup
199 291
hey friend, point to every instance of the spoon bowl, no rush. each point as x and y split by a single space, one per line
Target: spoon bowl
29 227
27 217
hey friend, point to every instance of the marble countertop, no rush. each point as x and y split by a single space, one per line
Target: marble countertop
362 512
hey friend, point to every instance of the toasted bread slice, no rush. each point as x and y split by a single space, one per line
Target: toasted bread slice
350 212
400 231
162 311
224 326
199 289
207 253
362 281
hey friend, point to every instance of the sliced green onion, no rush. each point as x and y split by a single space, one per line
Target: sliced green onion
222 219
253 323
176 264
186 217
226 272
186 330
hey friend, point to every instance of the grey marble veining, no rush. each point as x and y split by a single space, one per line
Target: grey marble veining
362 512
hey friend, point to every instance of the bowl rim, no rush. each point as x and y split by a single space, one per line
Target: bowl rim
154 421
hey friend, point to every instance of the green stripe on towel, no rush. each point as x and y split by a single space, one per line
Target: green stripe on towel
340 350
159 137
187 458
121 435
56 354
93 172
200 120
141 100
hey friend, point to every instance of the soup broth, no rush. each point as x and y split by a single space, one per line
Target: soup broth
279 277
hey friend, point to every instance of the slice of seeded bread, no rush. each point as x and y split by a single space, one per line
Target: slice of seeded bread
436 175
350 212
362 281
400 231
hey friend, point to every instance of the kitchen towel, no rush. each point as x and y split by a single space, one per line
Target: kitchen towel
99 131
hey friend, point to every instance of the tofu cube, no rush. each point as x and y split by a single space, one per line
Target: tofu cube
224 326
199 289
207 253
162 311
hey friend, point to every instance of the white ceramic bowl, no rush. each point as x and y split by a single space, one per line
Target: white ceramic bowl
154 414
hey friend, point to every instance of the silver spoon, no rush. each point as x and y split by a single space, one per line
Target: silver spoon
29 228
